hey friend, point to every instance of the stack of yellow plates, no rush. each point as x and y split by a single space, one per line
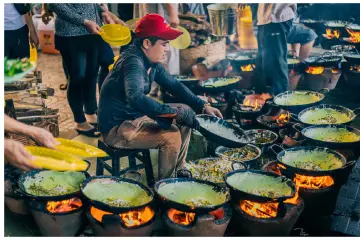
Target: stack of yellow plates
115 34
183 41
78 149
112 65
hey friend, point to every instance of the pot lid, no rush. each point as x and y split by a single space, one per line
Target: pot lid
336 23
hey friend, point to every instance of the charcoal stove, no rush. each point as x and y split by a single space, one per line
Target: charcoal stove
186 224
59 217
295 70
352 69
354 36
243 64
318 192
265 218
322 72
275 120
137 222
335 30
246 115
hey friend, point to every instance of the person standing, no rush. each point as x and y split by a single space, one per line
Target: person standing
77 38
19 29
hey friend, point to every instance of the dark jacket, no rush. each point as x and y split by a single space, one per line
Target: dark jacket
123 94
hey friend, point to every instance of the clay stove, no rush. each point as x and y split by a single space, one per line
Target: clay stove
188 224
266 218
246 114
58 218
136 222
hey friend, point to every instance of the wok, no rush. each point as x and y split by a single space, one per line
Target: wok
219 151
31 174
254 134
351 114
290 170
353 58
129 184
299 107
208 87
188 81
326 60
256 179
185 173
306 133
212 136
171 193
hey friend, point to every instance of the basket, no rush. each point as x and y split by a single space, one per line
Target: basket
212 52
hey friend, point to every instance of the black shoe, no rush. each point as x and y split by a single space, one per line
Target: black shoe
89 133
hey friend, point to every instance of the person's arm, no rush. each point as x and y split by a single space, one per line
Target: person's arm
173 14
16 154
134 79
40 135
109 17
32 31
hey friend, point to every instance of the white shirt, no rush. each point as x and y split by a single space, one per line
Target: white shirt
12 19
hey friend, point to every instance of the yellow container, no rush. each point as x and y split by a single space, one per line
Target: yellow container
115 34
246 37
112 65
33 54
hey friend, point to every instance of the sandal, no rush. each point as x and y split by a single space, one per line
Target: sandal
89 133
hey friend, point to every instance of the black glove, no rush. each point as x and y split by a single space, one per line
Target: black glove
187 117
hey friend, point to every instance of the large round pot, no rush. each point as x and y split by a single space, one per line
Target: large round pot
308 132
280 100
290 170
260 181
250 163
351 114
190 189
128 184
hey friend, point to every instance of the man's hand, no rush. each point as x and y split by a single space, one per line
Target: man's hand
16 154
213 111
107 19
187 117
43 137
33 38
174 20
92 26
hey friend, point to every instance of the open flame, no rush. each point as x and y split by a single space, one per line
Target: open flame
64 205
251 106
332 33
247 68
354 36
183 218
259 210
310 182
130 219
335 70
283 118
355 68
315 70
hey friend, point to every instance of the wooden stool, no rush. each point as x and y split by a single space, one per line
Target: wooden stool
116 153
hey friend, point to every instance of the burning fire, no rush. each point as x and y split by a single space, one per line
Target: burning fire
259 210
255 106
183 218
335 70
130 219
313 182
315 70
355 68
354 36
247 68
332 33
283 118
63 206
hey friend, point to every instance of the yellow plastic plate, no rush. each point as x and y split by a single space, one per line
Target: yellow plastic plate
78 149
46 158
112 33
183 41
132 23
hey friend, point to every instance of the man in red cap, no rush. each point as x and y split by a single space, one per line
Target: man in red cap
128 118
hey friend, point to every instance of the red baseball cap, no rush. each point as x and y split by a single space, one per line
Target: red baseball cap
155 25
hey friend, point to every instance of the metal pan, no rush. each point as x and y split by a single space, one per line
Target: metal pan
352 114
190 82
207 87
219 151
290 171
353 58
324 61
108 208
297 108
210 135
191 192
330 144
240 193
22 191
185 173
